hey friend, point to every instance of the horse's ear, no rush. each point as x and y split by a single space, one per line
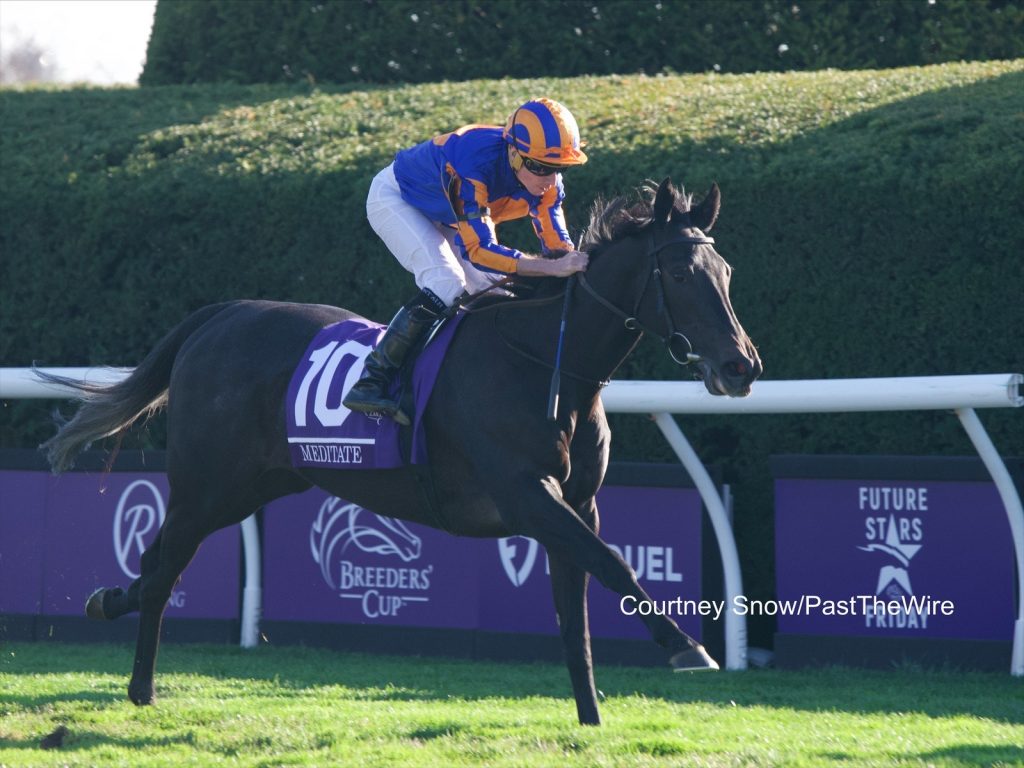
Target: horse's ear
664 201
704 215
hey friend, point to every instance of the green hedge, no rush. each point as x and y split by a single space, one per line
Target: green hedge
387 41
873 219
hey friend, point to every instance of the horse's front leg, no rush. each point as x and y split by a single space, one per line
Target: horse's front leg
569 586
533 506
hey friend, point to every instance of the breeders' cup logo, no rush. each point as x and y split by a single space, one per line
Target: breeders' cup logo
140 513
344 533
509 549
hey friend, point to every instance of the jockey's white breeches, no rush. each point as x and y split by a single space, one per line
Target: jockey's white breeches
424 247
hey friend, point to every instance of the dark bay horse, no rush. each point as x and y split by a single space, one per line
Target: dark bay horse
500 467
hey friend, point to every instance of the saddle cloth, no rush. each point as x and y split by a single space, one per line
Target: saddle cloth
322 432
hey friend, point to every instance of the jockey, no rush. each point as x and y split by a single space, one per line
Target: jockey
436 207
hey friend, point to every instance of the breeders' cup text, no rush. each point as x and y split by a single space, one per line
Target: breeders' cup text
373 601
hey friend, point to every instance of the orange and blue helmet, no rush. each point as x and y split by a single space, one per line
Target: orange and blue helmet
545 131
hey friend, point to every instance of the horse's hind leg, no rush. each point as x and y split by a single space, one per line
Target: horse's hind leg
191 516
109 603
179 540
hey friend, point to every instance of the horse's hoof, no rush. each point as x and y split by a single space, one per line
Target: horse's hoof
141 695
590 719
693 659
94 605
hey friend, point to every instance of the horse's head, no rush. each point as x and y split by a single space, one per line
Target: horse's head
681 292
696 286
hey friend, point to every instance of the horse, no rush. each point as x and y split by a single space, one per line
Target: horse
500 464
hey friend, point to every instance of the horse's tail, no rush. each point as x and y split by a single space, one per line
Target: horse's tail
108 409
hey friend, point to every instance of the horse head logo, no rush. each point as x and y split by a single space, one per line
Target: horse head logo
508 549
140 513
337 528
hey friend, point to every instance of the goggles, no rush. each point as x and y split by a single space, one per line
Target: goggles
538 168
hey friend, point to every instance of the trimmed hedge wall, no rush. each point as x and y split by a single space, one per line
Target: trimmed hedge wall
387 41
873 219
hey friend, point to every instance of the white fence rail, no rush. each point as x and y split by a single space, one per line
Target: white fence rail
961 394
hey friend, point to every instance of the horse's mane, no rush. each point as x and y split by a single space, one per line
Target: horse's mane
623 216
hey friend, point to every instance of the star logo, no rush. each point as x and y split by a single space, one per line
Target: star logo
899 550
893 545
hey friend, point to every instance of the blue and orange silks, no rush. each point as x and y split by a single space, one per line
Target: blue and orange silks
463 179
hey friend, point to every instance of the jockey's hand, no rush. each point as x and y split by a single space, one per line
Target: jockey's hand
565 265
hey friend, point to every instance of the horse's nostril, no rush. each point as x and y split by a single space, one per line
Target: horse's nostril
736 369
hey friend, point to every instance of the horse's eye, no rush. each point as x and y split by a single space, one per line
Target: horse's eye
682 272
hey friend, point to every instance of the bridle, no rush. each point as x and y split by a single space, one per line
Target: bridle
630 319
631 322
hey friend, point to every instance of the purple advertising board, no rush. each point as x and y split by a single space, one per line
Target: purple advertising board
63 537
326 560
929 559
22 525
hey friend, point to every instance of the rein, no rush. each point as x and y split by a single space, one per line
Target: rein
630 319
468 303
601 383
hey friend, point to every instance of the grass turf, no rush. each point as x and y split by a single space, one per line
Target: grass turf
296 706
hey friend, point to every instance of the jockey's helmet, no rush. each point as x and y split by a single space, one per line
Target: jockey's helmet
545 131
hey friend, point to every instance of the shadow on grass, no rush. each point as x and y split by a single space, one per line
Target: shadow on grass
438 732
976 754
78 739
9 702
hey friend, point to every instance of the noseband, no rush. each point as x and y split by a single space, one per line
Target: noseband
630 318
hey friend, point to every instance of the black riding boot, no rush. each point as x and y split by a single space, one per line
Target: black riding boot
409 326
